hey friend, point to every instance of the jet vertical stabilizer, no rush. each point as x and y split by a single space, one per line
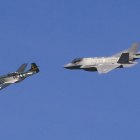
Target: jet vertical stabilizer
134 49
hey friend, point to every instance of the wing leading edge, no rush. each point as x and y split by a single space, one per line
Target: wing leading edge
105 68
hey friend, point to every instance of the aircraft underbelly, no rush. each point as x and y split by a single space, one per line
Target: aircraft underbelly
10 80
90 69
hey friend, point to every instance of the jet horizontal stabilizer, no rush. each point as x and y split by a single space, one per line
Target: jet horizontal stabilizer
124 58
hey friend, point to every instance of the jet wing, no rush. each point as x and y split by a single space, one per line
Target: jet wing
22 68
2 86
105 68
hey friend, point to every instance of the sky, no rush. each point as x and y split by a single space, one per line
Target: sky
60 104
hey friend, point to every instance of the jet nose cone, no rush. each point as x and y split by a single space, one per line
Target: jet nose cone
68 66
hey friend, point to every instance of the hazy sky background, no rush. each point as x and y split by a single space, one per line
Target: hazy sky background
59 104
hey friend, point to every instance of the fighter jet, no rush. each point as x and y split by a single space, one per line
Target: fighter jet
124 59
18 76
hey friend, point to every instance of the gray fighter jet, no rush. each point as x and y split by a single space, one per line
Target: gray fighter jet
124 59
18 76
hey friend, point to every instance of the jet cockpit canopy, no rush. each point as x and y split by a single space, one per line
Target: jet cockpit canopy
76 60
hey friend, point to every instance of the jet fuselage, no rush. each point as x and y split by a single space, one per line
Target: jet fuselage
105 64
